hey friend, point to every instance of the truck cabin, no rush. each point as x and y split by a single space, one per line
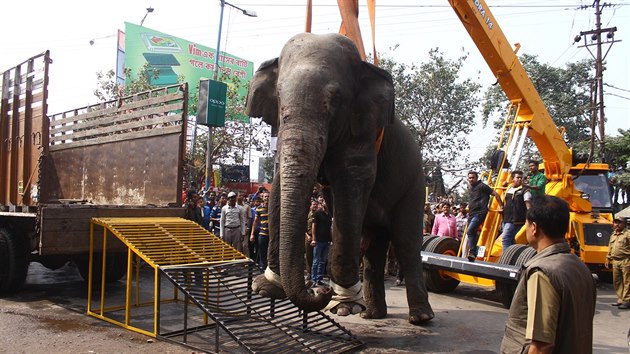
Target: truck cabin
592 182
594 186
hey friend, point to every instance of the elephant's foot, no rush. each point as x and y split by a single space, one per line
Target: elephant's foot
346 301
371 313
265 288
347 308
418 318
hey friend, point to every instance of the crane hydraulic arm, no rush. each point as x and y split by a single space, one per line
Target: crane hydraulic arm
510 74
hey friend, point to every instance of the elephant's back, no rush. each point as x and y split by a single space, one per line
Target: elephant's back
399 177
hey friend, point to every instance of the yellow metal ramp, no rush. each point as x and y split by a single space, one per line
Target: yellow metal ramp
198 293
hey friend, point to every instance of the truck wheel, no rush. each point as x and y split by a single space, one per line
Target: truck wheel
436 280
426 240
515 255
13 262
116 267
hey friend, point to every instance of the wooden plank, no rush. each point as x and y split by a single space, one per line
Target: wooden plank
115 109
131 172
84 129
118 137
66 230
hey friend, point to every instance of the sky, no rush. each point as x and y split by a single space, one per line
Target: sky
544 28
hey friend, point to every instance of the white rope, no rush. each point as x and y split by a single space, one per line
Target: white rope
273 277
352 294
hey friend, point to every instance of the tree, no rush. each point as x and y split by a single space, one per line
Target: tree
438 107
618 148
564 91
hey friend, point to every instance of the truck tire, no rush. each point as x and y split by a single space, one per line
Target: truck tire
426 240
515 255
13 262
436 280
116 267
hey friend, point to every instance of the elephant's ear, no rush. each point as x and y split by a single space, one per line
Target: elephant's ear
262 100
375 100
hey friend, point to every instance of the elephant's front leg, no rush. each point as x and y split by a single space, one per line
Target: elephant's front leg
268 284
351 187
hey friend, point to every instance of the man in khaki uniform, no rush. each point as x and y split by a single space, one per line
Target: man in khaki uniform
554 303
619 257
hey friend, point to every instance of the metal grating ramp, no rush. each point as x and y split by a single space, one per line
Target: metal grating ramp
214 306
164 242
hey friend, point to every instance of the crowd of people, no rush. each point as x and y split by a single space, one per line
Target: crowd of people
239 219
243 222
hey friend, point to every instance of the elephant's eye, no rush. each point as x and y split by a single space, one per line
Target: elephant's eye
333 97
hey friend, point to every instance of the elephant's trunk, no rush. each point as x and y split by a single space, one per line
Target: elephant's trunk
301 152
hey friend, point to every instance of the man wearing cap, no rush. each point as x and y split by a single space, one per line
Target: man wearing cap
619 257
233 223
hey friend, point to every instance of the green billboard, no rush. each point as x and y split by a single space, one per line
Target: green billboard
171 57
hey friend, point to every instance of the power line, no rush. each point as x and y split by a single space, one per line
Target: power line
427 5
622 97
615 87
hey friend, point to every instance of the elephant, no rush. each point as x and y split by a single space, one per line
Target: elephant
333 115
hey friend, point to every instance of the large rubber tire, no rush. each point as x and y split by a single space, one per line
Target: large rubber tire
435 279
515 255
13 262
116 267
426 240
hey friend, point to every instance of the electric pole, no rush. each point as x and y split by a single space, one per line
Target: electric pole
595 37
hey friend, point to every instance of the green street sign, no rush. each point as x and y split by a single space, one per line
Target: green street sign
212 102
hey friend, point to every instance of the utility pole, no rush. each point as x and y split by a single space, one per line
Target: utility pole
595 37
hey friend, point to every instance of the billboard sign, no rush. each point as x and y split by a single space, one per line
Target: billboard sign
170 57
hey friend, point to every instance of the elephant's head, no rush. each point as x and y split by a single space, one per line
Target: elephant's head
316 96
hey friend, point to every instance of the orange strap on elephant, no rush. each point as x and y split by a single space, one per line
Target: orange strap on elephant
349 10
379 139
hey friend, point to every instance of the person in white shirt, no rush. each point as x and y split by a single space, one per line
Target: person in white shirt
233 223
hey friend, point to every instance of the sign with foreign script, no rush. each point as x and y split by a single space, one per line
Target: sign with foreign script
165 59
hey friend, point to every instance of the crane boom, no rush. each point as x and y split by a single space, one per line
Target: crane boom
502 60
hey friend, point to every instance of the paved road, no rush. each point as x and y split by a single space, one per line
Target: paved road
48 316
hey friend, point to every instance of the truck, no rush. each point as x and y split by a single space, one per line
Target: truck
122 157
582 184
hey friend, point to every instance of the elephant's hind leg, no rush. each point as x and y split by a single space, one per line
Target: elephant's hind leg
410 261
374 277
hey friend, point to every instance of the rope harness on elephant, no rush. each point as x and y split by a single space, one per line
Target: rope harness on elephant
273 277
353 294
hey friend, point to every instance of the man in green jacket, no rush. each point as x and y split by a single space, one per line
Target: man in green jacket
537 180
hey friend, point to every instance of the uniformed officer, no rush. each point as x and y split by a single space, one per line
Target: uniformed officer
619 257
